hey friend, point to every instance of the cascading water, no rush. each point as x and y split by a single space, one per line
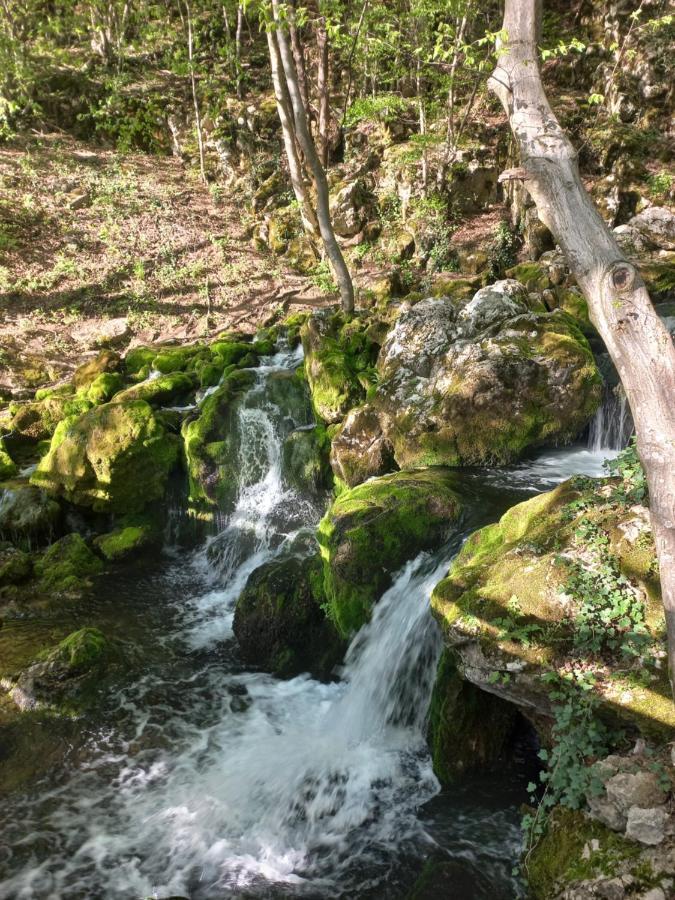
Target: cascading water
612 424
201 780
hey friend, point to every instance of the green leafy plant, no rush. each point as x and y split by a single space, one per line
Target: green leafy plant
627 466
501 251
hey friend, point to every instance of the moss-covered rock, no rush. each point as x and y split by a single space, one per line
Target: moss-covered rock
482 381
116 457
27 514
128 540
305 459
359 450
339 359
510 614
15 565
66 677
66 566
371 530
279 622
104 387
209 444
468 728
160 391
87 373
8 468
37 421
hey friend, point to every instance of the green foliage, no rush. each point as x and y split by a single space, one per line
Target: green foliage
383 108
660 185
501 251
627 466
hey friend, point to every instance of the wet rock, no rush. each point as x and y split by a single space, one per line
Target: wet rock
305 453
127 540
372 529
656 225
27 514
169 388
15 565
359 450
279 622
116 457
646 825
639 789
8 467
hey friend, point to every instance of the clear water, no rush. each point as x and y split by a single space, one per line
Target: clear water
200 779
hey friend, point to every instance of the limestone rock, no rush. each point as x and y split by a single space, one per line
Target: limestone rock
639 789
347 209
656 224
359 450
607 812
646 825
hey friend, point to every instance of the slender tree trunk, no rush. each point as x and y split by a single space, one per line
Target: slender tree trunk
237 47
350 60
300 67
322 88
333 252
619 305
285 113
195 100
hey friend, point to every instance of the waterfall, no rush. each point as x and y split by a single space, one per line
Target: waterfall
612 424
206 781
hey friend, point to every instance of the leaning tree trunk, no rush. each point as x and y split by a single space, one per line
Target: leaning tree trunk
639 344
333 252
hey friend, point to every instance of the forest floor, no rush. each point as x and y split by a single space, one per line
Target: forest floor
98 248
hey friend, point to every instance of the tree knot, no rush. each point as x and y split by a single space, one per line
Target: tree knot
622 276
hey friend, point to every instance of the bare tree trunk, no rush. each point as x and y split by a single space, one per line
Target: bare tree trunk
350 60
299 58
307 213
619 305
333 252
322 87
195 100
237 47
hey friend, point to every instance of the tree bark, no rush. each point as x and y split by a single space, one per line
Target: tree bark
195 100
322 88
285 113
332 248
619 305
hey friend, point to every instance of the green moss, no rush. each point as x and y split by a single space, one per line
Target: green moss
305 458
228 353
468 728
104 387
15 565
138 359
8 468
80 651
160 391
124 541
176 359
388 519
66 565
292 325
566 855
116 457
208 445
106 361
531 274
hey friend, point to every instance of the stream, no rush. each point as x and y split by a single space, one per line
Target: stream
196 778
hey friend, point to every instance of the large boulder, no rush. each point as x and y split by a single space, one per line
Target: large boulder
359 450
115 458
346 208
469 383
571 573
279 622
372 529
66 566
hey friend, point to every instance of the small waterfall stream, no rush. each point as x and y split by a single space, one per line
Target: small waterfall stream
202 780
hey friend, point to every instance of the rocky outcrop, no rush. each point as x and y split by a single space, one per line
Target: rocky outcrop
473 382
513 602
116 457
656 226
371 530
28 515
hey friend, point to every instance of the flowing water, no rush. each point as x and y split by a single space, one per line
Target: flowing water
200 779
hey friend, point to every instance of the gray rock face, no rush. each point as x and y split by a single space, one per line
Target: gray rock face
646 825
346 210
641 789
27 513
607 812
360 450
657 226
